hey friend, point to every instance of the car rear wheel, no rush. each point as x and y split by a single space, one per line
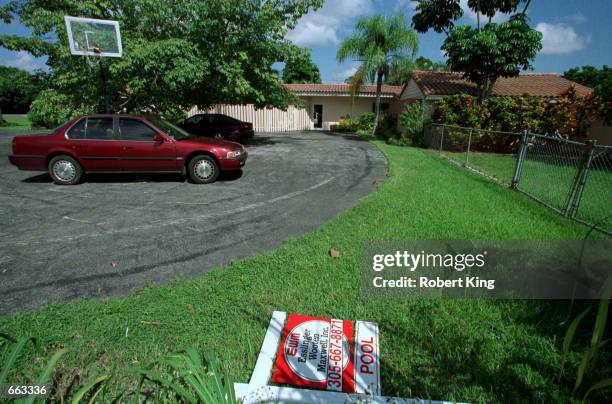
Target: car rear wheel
65 170
203 170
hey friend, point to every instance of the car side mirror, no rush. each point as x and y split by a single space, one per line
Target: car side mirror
158 138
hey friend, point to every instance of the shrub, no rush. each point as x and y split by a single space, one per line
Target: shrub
347 124
413 118
460 110
387 127
51 108
571 114
366 120
175 115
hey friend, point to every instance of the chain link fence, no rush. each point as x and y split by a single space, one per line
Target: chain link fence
573 178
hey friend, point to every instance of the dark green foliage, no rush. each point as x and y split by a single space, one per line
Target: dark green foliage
599 80
52 108
497 50
413 119
301 69
486 53
364 122
18 88
489 8
570 115
177 54
400 73
438 15
387 128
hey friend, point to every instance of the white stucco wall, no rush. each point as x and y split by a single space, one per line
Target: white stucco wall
411 91
335 107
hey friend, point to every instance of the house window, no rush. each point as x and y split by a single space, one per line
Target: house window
384 107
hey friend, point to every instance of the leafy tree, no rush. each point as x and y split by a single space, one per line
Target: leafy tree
400 73
176 53
599 80
486 53
18 88
301 69
380 44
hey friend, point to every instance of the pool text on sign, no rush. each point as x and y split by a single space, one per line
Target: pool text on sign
328 354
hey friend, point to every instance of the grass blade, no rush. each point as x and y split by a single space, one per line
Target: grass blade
13 357
167 382
87 387
597 386
569 337
7 337
600 321
46 374
588 355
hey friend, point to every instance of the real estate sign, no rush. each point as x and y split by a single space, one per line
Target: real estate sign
329 354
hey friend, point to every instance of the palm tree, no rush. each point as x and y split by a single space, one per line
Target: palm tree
380 44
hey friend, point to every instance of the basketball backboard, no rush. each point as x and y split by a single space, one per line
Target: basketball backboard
93 37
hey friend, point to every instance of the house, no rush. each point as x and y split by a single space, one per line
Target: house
427 87
323 106
327 103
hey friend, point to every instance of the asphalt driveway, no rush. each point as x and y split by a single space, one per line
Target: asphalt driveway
114 234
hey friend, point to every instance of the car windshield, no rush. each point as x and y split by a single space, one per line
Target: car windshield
169 129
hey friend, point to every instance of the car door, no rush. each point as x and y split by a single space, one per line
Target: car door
141 152
95 143
191 125
203 126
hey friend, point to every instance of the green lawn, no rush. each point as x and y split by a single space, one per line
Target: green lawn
15 123
467 350
550 182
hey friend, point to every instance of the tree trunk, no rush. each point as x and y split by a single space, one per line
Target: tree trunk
484 88
480 85
379 80
1 117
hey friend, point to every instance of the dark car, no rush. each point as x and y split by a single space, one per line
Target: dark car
218 126
124 143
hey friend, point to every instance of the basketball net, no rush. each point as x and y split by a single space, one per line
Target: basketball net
94 60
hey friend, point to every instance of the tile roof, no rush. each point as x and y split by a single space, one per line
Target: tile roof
536 84
342 89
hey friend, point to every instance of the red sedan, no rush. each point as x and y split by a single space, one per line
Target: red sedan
123 143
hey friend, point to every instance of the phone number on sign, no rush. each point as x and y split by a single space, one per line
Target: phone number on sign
23 390
334 372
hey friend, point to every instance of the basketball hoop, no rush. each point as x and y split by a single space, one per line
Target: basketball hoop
94 39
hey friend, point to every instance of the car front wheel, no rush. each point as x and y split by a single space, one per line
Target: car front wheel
65 170
203 170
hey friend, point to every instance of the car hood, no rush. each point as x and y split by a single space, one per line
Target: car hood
213 142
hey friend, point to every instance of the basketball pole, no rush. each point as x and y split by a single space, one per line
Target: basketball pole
104 87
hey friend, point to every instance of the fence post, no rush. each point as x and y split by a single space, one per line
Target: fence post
586 165
442 138
520 156
467 151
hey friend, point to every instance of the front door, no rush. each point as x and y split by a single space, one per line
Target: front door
317 116
141 152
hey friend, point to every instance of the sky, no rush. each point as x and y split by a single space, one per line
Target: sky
576 33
